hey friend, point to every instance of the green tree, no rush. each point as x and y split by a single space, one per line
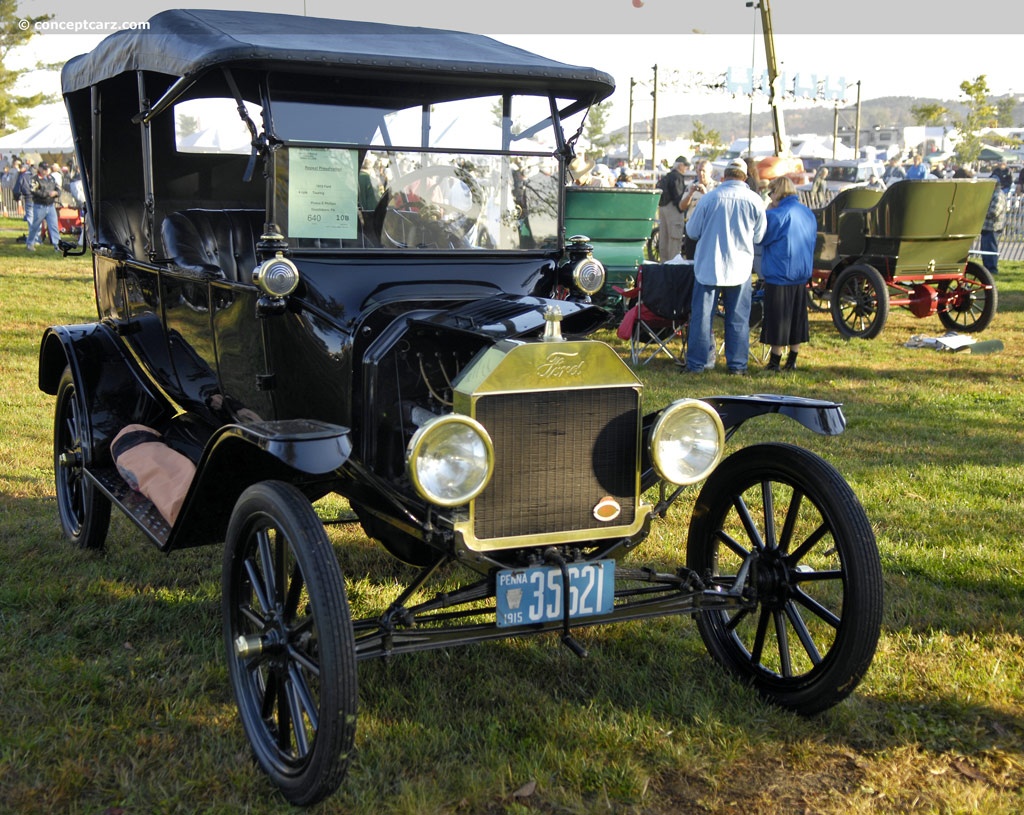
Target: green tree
16 31
980 113
1004 110
929 114
595 128
707 143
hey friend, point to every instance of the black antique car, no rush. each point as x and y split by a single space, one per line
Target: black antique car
370 294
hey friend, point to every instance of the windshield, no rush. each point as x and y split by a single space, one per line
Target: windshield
464 175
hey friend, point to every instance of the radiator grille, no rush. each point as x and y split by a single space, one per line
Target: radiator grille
557 453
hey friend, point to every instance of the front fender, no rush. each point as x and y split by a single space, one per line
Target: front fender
818 415
237 456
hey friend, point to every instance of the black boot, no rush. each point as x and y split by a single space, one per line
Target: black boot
791 361
773 362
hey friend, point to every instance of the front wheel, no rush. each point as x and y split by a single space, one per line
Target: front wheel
811 619
860 302
290 643
84 511
969 304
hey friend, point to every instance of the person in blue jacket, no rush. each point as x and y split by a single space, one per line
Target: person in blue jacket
787 257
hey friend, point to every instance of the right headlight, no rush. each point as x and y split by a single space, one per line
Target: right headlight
450 459
686 442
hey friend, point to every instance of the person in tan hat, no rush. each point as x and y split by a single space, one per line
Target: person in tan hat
671 210
726 224
581 169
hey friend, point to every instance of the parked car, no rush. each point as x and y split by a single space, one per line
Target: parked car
378 301
909 247
846 173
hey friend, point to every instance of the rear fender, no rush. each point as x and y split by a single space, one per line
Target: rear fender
304 453
111 389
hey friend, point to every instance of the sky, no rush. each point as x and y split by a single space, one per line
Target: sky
890 49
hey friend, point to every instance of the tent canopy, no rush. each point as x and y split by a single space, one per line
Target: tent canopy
52 137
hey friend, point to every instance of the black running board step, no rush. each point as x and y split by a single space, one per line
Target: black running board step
134 504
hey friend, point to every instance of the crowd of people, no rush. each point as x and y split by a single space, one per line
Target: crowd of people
35 192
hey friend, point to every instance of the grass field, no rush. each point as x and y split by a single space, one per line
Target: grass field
114 689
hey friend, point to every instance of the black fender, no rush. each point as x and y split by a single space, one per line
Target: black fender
817 415
820 416
302 452
111 388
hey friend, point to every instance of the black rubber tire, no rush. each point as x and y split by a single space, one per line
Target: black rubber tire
969 305
816 575
283 590
84 511
860 302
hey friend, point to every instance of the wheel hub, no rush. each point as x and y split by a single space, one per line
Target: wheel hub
771 577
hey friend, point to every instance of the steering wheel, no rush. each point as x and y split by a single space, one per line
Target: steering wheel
421 214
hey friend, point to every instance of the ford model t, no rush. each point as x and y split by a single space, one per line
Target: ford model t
908 246
374 298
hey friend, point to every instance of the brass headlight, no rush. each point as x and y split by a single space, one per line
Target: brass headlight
277 277
588 275
450 460
686 442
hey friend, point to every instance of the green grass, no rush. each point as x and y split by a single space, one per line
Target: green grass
115 694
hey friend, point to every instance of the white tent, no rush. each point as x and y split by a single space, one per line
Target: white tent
52 137
233 138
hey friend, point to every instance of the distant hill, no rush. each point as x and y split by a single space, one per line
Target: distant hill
887 111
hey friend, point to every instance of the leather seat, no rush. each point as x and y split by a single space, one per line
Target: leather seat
219 242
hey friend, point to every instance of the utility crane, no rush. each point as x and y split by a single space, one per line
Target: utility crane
778 125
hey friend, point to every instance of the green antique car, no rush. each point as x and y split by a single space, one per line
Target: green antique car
617 222
908 246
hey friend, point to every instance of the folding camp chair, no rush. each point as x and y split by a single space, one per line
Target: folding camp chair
656 322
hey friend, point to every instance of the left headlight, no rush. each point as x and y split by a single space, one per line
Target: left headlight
277 277
588 275
450 459
686 442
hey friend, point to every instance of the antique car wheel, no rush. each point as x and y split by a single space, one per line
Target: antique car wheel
814 581
860 302
84 510
818 296
289 639
970 304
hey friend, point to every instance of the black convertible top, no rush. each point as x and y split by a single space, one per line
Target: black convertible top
186 43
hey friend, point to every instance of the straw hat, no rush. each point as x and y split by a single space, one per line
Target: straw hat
580 168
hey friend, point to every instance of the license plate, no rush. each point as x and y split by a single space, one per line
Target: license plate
535 595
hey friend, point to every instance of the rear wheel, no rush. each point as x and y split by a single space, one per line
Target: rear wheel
814 585
860 302
290 643
970 304
818 295
84 510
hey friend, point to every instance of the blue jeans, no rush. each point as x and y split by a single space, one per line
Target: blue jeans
990 246
700 342
40 213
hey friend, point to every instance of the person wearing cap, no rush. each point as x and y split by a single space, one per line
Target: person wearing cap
44 193
726 223
671 226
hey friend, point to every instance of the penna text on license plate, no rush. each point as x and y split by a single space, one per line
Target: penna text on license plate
536 594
